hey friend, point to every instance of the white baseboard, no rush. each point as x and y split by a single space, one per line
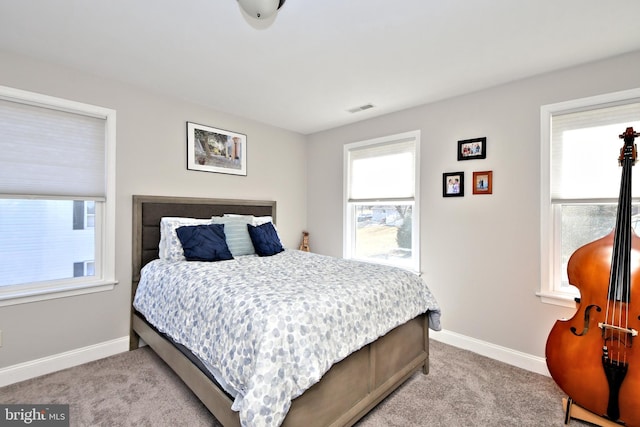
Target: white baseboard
503 354
46 365
57 362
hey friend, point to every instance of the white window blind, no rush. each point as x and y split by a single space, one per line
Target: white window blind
381 188
585 150
57 204
382 171
49 152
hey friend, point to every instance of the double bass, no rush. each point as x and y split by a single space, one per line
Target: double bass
594 357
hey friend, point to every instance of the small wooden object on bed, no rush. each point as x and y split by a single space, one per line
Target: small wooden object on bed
349 390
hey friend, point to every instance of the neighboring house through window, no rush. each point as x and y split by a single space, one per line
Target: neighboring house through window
581 181
381 200
84 214
57 197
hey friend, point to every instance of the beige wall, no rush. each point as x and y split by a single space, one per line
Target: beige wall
151 159
480 254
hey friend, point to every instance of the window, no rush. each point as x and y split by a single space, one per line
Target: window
57 197
381 200
581 181
86 268
84 214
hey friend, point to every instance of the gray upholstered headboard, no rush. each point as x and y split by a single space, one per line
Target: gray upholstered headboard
147 211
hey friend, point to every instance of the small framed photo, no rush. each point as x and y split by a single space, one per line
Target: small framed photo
453 184
216 150
483 182
471 149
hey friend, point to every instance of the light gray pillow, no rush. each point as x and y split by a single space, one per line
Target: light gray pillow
237 235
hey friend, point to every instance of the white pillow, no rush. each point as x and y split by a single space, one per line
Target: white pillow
256 220
236 233
259 220
170 247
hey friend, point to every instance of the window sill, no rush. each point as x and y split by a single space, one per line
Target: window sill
28 295
562 300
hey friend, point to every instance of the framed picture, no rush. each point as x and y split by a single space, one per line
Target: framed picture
470 149
453 184
483 182
216 150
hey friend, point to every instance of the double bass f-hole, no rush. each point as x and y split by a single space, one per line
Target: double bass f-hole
587 317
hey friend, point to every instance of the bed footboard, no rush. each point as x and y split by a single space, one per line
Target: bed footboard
354 386
349 390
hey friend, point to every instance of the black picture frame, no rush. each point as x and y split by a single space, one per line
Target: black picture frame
453 184
216 150
472 149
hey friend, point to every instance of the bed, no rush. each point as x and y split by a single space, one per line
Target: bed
344 393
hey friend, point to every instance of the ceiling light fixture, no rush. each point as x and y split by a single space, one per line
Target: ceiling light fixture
261 9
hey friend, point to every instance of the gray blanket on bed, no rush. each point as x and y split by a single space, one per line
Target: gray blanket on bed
272 326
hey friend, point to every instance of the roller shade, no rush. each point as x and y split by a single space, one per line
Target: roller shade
585 149
383 171
50 152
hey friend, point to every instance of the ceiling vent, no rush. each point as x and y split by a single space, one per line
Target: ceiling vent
360 108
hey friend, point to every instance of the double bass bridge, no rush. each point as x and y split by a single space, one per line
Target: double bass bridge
611 333
606 327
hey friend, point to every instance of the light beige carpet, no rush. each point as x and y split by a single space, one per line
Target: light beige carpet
462 389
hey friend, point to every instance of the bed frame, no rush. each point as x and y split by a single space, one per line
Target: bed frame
349 390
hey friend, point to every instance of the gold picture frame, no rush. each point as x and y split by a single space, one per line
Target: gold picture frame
483 182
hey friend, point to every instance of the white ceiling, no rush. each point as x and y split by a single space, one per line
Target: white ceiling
319 58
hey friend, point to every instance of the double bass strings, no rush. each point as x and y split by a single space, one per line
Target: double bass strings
617 312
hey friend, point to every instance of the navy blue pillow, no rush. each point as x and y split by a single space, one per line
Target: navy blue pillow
204 242
265 239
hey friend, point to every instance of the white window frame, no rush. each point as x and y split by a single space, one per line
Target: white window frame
349 217
550 217
105 277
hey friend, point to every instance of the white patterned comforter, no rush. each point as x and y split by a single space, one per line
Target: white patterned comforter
272 326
